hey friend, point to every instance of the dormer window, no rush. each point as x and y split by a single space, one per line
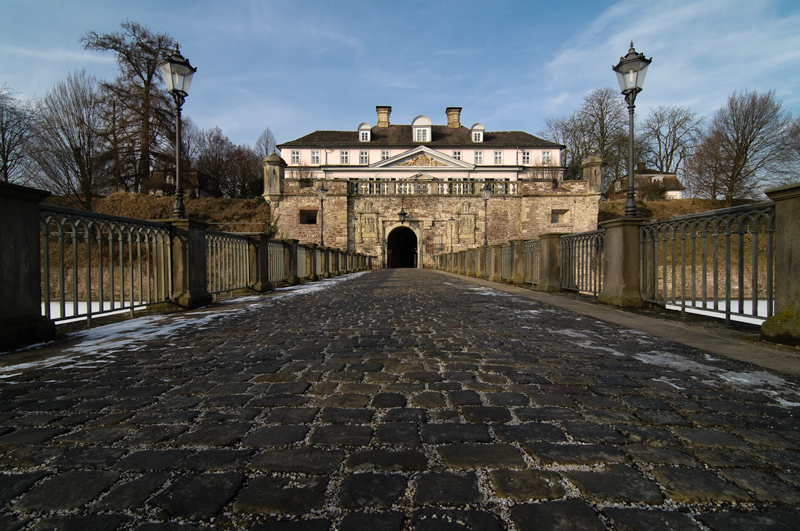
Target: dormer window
364 132
476 132
421 129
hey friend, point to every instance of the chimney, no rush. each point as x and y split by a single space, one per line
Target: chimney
453 117
383 115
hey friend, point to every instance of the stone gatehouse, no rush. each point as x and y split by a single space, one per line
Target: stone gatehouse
434 175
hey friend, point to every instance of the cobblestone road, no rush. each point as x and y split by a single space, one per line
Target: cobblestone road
389 400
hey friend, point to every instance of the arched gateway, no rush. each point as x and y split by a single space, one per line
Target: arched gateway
401 248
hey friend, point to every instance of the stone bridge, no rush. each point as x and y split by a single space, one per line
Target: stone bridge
401 400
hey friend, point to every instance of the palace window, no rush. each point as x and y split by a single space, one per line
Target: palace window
384 154
308 216
457 154
526 158
344 157
479 157
498 157
477 132
546 158
421 129
315 156
364 131
363 157
295 156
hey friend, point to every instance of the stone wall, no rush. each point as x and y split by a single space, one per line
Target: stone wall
362 222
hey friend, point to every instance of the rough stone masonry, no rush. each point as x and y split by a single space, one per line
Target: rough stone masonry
392 400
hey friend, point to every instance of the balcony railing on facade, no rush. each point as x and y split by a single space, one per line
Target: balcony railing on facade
431 187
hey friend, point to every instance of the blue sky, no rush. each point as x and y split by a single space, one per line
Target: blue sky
298 66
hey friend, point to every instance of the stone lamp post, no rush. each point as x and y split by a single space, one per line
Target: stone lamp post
177 73
631 71
486 193
322 192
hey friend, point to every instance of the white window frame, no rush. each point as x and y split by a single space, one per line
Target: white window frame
363 157
385 154
547 158
498 158
526 157
422 135
365 136
344 157
315 156
295 156
477 136
457 154
479 157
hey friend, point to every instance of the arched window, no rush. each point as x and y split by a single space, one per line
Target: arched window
421 129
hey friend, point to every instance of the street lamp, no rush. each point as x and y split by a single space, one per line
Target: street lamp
321 193
177 73
486 192
452 224
402 215
630 74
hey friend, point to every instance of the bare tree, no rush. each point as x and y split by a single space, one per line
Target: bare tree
599 128
213 160
266 143
746 137
16 121
67 147
245 178
790 170
670 135
148 109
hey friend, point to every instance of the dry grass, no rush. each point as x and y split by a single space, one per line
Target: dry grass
230 215
661 210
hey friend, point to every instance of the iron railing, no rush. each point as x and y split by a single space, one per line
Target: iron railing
95 264
532 254
582 262
276 261
719 262
227 261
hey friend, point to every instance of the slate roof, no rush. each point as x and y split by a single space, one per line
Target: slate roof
400 136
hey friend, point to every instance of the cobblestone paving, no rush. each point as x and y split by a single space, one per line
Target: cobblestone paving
389 400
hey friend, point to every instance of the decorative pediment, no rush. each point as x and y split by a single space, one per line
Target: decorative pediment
422 160
422 157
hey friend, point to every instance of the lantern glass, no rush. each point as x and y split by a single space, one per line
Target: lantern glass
177 73
631 71
486 192
322 192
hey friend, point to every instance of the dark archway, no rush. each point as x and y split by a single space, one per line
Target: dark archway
401 247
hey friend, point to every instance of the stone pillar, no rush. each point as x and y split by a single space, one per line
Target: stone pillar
483 267
21 319
621 270
326 262
470 265
496 268
517 262
290 262
351 262
259 263
550 263
462 263
311 261
784 325
274 172
189 266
